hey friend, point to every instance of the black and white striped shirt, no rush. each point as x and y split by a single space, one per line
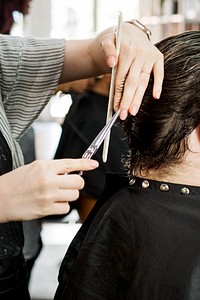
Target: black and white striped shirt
29 73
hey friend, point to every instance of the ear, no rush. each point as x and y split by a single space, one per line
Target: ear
194 140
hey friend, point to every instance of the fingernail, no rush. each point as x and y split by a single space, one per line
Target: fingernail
94 163
123 114
157 95
111 61
134 110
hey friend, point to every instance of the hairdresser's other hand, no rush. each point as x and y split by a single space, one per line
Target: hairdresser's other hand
41 188
138 58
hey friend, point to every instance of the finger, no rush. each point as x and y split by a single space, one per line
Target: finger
63 166
138 96
122 76
130 87
143 80
60 196
59 208
158 71
143 83
66 195
136 84
70 181
109 50
59 204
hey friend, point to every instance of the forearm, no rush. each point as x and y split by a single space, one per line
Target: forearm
83 59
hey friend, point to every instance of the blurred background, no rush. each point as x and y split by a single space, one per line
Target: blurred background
73 19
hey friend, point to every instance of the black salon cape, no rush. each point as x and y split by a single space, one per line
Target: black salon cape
141 244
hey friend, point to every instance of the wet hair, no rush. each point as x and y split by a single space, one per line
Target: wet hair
158 134
7 7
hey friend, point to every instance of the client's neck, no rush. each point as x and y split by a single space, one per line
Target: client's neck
187 172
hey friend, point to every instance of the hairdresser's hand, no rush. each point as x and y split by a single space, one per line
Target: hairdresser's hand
138 58
41 188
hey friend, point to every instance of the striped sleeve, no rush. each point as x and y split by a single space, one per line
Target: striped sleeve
29 73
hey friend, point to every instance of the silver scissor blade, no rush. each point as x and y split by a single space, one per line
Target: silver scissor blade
94 146
106 129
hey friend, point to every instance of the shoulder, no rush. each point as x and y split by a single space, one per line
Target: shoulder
117 211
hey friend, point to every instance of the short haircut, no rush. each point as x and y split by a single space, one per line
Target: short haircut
157 135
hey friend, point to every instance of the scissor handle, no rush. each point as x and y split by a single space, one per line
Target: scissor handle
91 150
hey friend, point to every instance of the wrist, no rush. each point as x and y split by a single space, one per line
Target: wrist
142 27
5 208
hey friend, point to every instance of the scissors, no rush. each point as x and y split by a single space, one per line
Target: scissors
112 86
94 146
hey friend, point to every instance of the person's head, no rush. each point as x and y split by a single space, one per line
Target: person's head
98 85
159 136
7 7
101 85
22 6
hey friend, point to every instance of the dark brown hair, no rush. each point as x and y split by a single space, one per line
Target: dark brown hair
157 135
7 7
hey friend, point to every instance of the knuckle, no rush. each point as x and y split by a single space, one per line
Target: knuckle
44 207
132 79
107 41
128 48
144 81
70 165
40 165
119 89
39 172
42 178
